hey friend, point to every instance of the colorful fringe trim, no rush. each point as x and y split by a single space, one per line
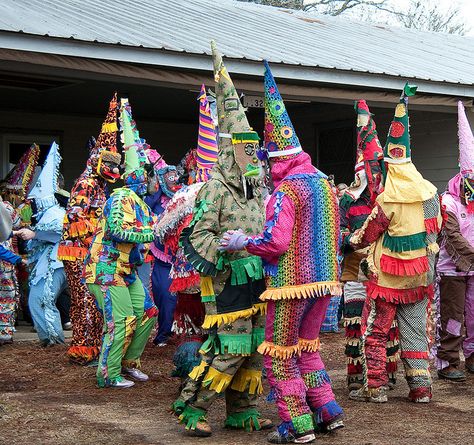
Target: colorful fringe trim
198 371
71 253
417 372
303 423
248 420
248 378
311 290
326 413
83 354
418 393
239 344
216 381
415 355
397 266
316 379
285 352
431 225
405 243
132 363
191 416
219 319
399 295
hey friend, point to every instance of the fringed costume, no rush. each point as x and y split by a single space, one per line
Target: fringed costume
355 206
401 231
456 263
117 249
230 283
47 278
88 196
299 246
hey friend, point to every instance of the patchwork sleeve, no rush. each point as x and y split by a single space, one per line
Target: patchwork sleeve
374 226
276 236
458 247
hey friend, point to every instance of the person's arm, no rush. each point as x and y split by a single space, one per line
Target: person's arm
9 256
458 247
374 226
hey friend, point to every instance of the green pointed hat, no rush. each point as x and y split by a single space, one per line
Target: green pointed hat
397 148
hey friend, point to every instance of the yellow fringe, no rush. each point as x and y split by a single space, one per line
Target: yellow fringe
416 372
109 127
216 380
310 290
207 288
309 345
352 320
354 361
219 319
248 378
353 341
393 358
284 352
132 363
391 344
130 327
198 371
432 249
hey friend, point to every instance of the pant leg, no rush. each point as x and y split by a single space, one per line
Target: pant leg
377 319
280 349
468 344
63 304
412 321
144 325
144 272
119 326
452 301
164 299
42 302
319 395
8 300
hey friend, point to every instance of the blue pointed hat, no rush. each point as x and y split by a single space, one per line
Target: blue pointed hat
279 134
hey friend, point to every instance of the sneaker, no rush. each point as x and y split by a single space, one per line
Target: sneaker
424 399
67 326
161 345
135 374
278 438
335 424
374 395
122 383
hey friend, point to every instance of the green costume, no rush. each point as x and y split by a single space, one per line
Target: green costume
117 249
231 283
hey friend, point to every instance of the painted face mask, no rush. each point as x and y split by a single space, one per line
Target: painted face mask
108 166
246 153
136 180
468 192
168 179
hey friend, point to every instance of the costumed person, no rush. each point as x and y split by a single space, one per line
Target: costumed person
355 206
47 278
9 291
300 247
160 275
118 247
401 230
230 283
189 312
88 196
456 263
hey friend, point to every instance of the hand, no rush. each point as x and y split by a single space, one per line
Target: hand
24 262
26 234
233 240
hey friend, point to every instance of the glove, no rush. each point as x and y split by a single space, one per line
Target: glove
233 241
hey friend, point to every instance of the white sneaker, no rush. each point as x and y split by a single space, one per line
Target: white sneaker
122 383
425 399
135 374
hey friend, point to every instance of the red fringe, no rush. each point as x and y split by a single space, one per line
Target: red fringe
354 369
431 225
391 367
397 266
184 283
399 295
418 393
171 241
393 334
190 305
414 354
359 210
353 333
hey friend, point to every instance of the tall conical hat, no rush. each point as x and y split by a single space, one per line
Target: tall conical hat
106 144
466 142
397 148
21 175
206 152
280 136
47 183
368 144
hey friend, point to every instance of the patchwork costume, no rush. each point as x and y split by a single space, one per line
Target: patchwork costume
117 249
456 261
47 279
355 206
300 248
230 283
88 196
402 231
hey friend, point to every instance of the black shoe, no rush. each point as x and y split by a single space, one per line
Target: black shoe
454 376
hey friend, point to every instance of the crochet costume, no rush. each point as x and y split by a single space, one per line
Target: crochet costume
117 249
355 206
189 311
456 258
47 278
88 196
299 246
402 231
230 283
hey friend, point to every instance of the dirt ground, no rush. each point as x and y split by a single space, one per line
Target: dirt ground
46 400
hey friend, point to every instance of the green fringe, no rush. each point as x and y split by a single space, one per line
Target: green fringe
191 416
258 336
247 420
208 299
199 209
202 265
245 268
236 344
211 344
345 201
178 407
405 243
147 236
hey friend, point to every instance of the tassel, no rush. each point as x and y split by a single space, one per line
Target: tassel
399 267
217 381
311 290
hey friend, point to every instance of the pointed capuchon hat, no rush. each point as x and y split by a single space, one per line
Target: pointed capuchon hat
106 144
466 142
47 182
397 148
206 151
21 175
280 136
368 144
